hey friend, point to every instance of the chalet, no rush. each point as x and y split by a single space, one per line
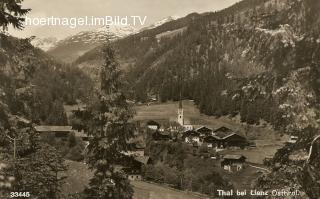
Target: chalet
233 162
222 129
204 131
59 132
212 141
153 125
136 149
293 139
234 140
134 172
161 136
191 136
228 138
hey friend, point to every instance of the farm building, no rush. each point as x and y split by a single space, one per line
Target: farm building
212 141
222 129
233 162
58 132
228 138
204 131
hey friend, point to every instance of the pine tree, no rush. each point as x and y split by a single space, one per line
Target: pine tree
107 121
11 13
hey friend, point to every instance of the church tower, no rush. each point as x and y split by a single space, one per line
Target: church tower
180 114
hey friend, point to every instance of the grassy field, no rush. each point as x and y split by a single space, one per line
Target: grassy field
145 190
78 176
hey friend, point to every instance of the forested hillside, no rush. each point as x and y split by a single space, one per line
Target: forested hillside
34 85
245 59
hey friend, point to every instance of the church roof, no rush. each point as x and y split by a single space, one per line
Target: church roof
180 104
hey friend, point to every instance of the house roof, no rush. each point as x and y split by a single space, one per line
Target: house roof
162 135
211 137
223 129
204 129
233 157
136 145
142 159
190 133
53 128
153 123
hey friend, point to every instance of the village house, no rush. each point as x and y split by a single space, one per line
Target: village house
233 163
228 138
57 132
134 172
191 136
161 136
136 149
212 141
222 129
204 131
60 132
153 125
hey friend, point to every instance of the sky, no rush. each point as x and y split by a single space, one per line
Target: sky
154 10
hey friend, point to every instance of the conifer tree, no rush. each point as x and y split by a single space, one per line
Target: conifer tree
11 13
108 121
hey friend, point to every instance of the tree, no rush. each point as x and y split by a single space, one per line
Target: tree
40 173
107 120
11 13
30 165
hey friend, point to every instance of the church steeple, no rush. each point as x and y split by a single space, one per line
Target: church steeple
180 113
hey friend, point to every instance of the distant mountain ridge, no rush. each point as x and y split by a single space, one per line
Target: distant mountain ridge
44 44
160 22
72 47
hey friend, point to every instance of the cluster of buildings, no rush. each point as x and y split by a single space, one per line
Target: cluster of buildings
217 140
196 136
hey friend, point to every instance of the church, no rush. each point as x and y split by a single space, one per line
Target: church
181 120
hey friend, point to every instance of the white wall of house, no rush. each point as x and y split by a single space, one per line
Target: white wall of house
134 177
153 127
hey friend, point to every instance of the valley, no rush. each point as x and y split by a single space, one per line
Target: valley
227 99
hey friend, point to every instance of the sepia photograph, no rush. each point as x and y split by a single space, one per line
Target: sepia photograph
170 99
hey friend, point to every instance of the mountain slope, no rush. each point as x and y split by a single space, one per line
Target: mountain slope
160 22
74 46
232 61
34 85
44 44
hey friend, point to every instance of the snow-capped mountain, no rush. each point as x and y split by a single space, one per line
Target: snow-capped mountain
76 45
161 22
44 43
100 35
